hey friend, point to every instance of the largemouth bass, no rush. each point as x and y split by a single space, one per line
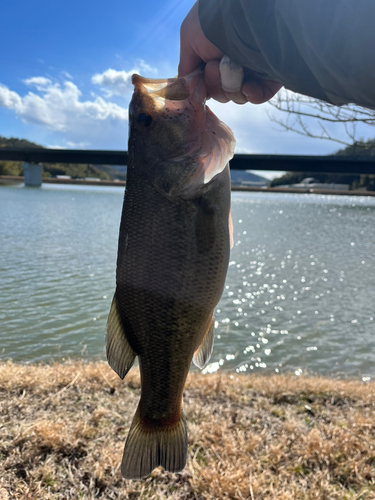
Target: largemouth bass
173 255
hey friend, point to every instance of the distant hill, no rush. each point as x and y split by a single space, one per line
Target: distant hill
75 170
247 178
13 142
355 181
297 177
105 172
360 149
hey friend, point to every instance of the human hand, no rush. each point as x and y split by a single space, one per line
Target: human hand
195 48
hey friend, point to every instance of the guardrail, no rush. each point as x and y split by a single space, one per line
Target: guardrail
291 163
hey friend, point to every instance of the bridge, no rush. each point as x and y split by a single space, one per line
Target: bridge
33 157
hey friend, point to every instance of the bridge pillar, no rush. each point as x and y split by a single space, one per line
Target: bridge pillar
32 174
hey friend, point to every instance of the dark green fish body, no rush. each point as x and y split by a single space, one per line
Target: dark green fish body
172 261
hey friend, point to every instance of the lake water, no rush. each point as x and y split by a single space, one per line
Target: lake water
299 296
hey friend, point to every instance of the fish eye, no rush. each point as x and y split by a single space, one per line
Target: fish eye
145 119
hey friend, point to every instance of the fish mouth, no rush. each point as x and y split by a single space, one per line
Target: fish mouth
207 141
171 89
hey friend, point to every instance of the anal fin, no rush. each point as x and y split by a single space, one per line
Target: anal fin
120 355
203 353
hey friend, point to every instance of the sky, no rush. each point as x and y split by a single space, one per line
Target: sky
65 75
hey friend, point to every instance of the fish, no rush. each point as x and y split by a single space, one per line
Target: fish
173 255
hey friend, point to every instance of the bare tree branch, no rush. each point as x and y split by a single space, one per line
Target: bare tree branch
303 130
297 107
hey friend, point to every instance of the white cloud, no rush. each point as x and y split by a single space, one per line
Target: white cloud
115 82
77 145
242 150
67 119
40 82
55 146
146 68
8 98
255 132
59 108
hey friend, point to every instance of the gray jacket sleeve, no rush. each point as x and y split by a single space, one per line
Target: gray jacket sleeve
320 48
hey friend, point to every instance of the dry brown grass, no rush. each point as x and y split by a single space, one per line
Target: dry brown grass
63 428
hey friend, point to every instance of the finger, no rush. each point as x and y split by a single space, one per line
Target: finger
213 81
271 88
231 75
189 61
260 91
237 97
214 88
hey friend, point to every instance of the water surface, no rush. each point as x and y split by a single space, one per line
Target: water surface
299 294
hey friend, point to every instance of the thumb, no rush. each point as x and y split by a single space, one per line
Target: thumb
189 60
189 31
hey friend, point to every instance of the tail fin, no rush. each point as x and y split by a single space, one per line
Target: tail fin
148 447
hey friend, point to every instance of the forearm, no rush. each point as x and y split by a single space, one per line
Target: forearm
325 49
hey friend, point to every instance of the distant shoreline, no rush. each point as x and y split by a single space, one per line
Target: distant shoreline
339 192
13 179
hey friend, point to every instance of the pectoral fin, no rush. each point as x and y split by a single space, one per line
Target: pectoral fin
203 353
120 355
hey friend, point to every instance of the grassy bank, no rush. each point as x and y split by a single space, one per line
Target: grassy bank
63 427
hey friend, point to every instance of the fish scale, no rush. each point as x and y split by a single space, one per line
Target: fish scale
172 261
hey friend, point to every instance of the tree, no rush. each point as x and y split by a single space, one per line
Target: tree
75 170
14 167
299 109
356 181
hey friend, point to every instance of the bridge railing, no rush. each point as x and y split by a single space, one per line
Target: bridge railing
292 163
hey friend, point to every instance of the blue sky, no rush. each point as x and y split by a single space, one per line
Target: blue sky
65 72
